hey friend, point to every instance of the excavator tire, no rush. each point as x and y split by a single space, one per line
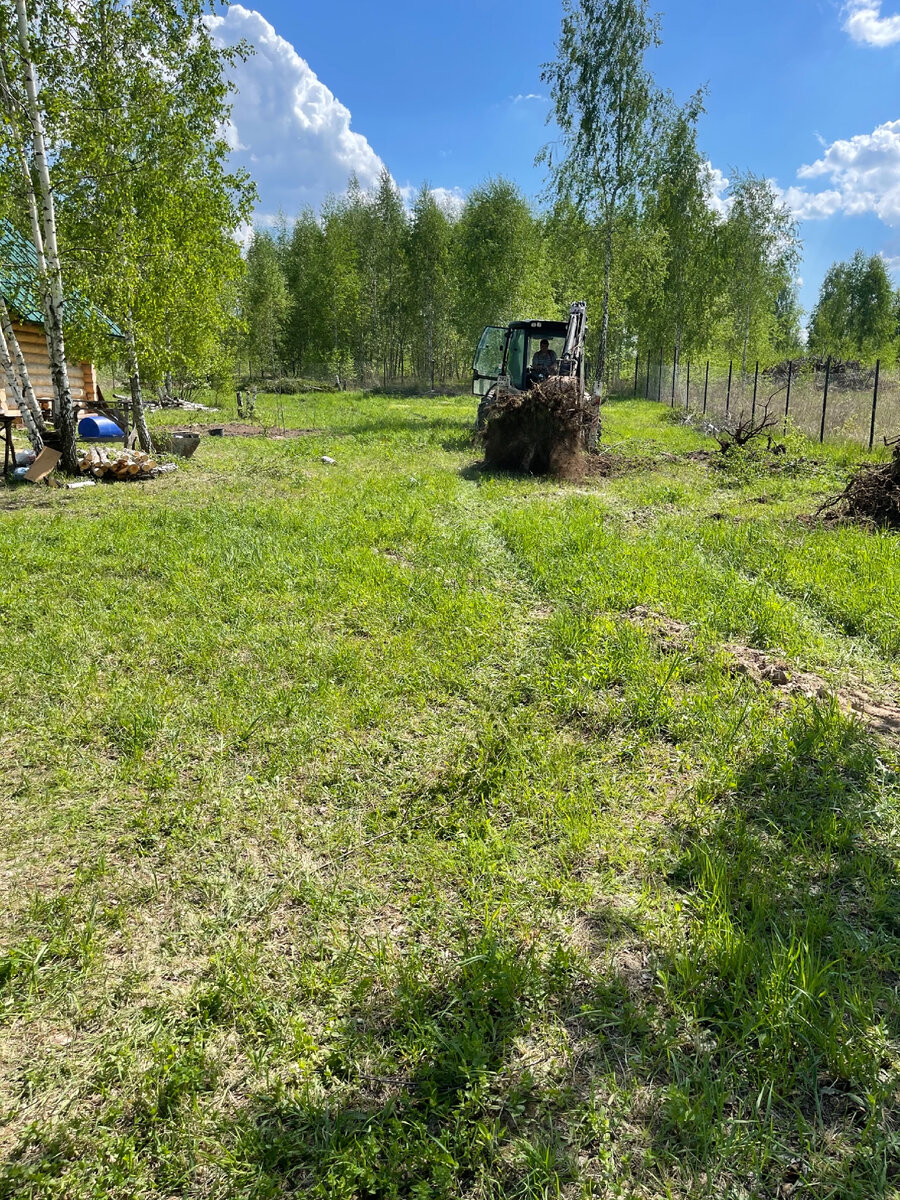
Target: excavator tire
484 406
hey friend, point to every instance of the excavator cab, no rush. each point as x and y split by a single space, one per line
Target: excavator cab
505 354
508 352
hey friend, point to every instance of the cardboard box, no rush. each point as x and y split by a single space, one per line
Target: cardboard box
42 465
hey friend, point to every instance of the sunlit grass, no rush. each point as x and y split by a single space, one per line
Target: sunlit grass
359 845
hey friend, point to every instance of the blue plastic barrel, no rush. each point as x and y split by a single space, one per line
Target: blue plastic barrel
98 427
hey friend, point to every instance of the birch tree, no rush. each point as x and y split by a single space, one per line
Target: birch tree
147 194
502 268
25 109
762 250
606 106
16 383
854 315
680 315
429 291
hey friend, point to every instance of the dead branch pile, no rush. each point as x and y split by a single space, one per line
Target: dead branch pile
544 430
117 464
164 401
741 429
872 497
847 375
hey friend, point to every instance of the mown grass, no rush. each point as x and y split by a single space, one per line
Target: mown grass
359 845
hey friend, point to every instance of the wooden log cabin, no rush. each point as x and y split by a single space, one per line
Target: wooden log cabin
19 288
82 375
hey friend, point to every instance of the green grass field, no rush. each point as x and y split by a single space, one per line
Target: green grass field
362 842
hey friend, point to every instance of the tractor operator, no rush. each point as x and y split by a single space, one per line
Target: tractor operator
544 360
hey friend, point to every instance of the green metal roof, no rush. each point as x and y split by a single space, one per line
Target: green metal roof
19 283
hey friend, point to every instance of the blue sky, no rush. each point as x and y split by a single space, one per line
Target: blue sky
804 92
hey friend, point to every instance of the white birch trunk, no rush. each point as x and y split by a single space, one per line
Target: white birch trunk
37 237
24 380
65 413
12 383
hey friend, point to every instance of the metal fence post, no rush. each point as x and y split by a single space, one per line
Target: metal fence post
787 400
687 391
659 380
706 387
728 393
825 399
674 369
637 367
647 380
874 403
755 386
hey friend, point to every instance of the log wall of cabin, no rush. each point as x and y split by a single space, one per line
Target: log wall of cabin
82 377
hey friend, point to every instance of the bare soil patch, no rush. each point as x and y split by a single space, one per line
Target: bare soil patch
881 715
238 429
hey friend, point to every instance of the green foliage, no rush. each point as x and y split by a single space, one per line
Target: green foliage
760 256
678 308
855 315
264 302
607 107
135 102
503 274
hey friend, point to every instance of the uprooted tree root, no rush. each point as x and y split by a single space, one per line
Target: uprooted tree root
544 431
872 497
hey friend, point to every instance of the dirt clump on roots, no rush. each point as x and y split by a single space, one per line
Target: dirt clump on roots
871 497
544 431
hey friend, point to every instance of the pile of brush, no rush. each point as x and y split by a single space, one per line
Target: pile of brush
545 430
872 497
119 464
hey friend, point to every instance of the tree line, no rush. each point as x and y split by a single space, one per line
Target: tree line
629 222
371 290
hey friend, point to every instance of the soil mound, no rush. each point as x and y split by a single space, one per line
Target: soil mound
544 431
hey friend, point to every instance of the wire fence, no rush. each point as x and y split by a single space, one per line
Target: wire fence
828 400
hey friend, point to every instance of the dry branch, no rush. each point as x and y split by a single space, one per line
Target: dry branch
871 497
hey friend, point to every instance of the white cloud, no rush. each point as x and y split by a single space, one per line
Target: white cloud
811 206
865 24
864 177
289 131
450 199
522 97
718 199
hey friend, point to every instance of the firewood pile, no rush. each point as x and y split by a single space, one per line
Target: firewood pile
544 430
99 462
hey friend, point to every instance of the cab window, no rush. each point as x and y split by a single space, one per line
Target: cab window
515 357
534 344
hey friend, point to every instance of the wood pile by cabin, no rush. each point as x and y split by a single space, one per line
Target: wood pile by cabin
99 462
